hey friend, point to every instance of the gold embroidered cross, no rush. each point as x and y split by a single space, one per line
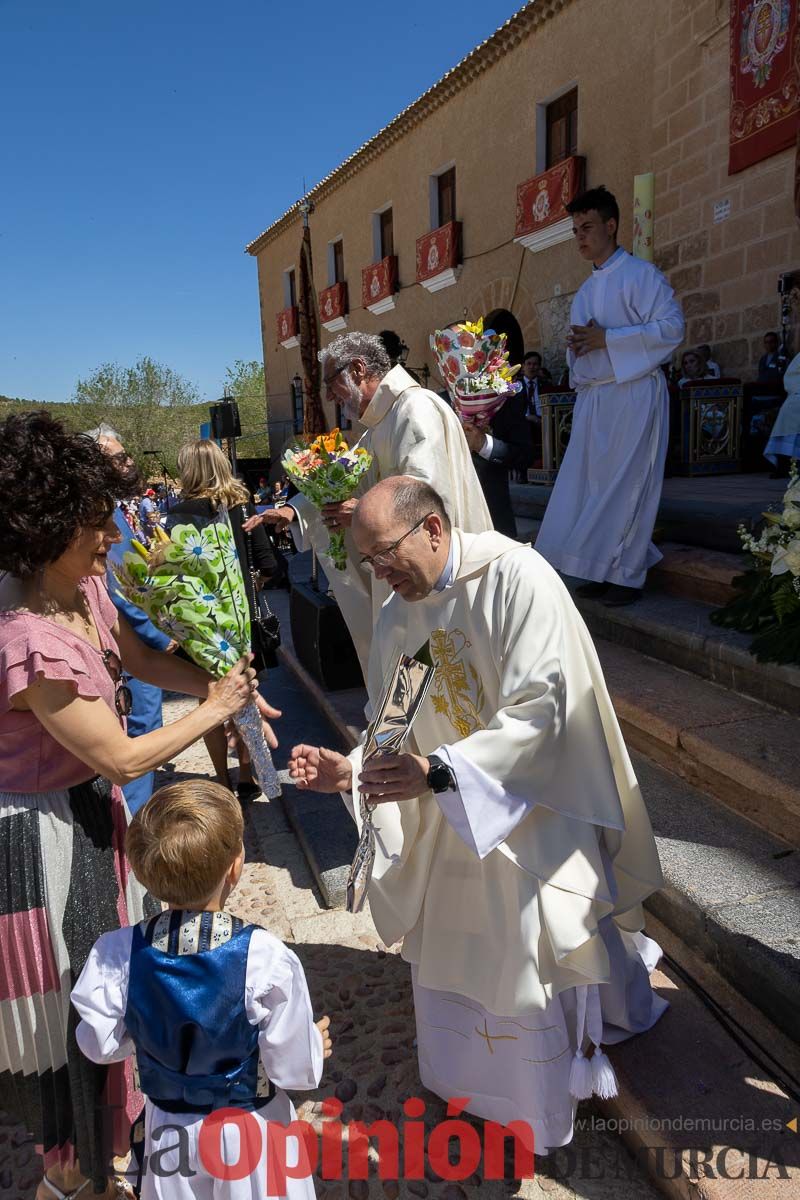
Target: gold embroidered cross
494 1037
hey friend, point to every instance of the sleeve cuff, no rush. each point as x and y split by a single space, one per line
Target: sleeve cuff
480 810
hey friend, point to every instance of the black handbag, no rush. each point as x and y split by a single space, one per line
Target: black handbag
266 629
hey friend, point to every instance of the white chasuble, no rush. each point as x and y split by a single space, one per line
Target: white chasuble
526 883
603 507
409 431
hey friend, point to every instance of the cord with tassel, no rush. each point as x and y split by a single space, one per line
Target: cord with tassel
595 1076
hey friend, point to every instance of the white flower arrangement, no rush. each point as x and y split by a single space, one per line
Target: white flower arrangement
768 599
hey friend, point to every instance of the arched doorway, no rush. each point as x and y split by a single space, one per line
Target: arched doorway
503 321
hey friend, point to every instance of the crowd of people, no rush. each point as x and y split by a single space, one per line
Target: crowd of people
513 847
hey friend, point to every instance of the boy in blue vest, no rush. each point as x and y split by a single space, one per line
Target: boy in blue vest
216 1010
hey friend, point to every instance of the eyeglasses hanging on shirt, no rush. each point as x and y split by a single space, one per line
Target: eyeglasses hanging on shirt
123 697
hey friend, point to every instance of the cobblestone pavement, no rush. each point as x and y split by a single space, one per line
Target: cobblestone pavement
366 990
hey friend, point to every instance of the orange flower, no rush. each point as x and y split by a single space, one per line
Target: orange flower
329 443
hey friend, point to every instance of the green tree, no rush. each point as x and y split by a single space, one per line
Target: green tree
246 383
151 406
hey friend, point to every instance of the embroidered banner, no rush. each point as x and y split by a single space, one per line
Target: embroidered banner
379 281
765 80
286 322
541 200
333 302
438 250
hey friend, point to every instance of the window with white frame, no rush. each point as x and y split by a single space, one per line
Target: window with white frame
442 192
382 233
289 288
336 261
557 127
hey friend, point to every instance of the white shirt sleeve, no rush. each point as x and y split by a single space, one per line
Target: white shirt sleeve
304 514
481 811
101 997
637 350
277 1000
486 449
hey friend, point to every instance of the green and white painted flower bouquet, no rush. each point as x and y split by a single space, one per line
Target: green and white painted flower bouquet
191 586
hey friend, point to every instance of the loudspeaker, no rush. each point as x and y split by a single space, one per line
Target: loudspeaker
225 419
321 639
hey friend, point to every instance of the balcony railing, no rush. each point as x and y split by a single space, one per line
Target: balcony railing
542 217
286 322
379 285
439 257
333 307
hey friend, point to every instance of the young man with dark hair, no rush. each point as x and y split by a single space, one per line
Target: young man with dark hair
624 323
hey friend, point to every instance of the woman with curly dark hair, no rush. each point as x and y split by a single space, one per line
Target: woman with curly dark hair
63 756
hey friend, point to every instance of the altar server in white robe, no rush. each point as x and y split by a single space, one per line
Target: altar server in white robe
625 322
409 431
513 847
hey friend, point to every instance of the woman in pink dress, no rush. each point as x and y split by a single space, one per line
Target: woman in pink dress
64 753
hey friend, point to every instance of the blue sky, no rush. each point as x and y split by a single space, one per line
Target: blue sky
145 142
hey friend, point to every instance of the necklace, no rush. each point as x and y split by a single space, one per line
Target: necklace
79 614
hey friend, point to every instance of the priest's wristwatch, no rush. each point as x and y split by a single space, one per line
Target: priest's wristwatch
440 776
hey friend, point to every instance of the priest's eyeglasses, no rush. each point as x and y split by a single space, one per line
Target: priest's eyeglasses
331 379
385 558
123 696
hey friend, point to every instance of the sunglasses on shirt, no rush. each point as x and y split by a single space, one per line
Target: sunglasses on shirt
123 696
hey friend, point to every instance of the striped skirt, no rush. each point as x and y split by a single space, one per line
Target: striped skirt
64 880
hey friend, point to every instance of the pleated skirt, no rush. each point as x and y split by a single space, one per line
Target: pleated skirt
64 881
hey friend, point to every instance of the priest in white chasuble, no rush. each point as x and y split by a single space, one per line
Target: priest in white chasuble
624 323
408 431
513 849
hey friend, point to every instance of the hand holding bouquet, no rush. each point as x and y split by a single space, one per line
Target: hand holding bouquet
474 365
191 587
328 472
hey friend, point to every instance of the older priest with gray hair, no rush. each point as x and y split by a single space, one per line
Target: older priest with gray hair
513 846
409 431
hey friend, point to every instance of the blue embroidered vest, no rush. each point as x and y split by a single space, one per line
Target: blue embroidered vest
195 1048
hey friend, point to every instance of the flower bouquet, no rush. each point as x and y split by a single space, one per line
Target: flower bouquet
474 365
327 472
768 603
190 585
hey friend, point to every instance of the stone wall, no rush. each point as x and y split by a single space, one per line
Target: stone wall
725 271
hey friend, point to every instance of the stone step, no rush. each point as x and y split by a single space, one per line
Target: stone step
694 573
741 751
704 511
698 1109
731 893
678 631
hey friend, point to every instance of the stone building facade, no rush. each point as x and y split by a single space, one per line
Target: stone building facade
644 86
723 240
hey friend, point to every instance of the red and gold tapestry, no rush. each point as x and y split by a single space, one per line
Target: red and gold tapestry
765 80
